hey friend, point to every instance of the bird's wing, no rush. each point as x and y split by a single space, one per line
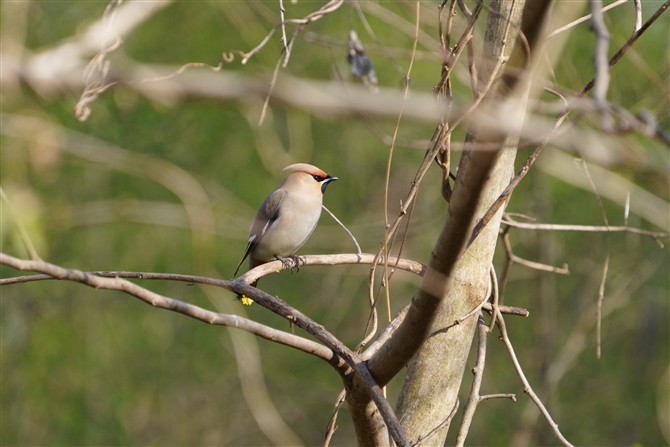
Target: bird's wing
267 214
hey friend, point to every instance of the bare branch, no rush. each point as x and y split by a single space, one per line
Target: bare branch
507 310
391 328
363 378
334 352
559 120
585 228
330 431
636 35
385 334
459 320
602 77
474 398
282 11
531 264
358 247
638 14
603 279
510 396
443 424
163 302
611 185
584 18
336 259
309 18
526 385
385 246
577 341
601 297
100 34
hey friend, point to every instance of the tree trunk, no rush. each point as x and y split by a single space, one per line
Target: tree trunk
434 375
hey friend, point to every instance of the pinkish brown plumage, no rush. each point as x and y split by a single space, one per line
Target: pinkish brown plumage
288 216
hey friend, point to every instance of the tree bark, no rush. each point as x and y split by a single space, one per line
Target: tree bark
456 281
434 375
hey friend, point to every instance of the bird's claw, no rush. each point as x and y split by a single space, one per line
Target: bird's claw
291 262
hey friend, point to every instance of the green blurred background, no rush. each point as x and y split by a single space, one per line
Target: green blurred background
167 184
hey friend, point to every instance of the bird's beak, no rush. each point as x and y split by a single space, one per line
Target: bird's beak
325 182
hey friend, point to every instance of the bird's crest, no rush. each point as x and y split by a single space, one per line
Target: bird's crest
306 168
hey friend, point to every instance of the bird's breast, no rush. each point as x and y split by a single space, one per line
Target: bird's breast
297 219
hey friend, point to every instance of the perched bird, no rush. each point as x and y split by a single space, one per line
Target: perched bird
287 217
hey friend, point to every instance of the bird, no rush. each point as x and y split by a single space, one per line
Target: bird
287 217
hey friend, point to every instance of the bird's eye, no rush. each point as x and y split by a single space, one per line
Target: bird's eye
318 178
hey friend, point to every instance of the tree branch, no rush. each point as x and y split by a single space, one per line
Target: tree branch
504 197
507 220
526 385
336 355
113 281
474 398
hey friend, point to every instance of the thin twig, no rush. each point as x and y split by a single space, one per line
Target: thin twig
472 68
583 228
446 35
387 238
330 431
458 321
584 19
474 398
602 76
312 17
358 247
601 297
601 288
507 310
443 424
505 276
577 340
638 15
271 89
557 94
526 385
288 45
436 147
282 12
453 55
494 294
97 69
531 264
510 396
504 196
385 334
391 328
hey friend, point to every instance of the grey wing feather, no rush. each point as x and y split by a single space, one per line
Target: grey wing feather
267 214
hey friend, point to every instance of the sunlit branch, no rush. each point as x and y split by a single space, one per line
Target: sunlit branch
114 282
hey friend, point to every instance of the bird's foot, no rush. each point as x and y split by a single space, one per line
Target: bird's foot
291 262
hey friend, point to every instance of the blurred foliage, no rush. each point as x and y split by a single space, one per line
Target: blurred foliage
90 367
